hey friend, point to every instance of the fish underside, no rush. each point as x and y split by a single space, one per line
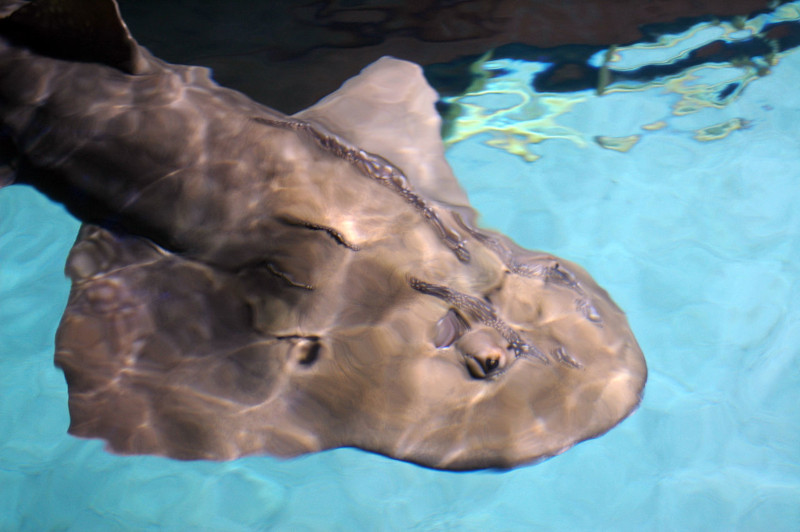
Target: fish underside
247 282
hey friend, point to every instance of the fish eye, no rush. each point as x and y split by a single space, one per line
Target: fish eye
449 329
305 350
311 353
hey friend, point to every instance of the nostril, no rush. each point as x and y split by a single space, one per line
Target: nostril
475 368
482 366
483 354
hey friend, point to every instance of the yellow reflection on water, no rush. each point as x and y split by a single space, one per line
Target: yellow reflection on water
503 104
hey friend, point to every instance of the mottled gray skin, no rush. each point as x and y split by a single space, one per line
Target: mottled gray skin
249 282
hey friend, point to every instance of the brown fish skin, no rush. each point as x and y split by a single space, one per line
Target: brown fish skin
249 282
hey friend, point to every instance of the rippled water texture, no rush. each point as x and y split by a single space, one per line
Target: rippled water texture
680 199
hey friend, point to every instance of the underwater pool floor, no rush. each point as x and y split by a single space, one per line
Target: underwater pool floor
697 240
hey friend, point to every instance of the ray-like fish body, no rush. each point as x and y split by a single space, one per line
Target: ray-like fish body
250 282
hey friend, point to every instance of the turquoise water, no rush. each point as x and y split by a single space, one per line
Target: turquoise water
699 242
